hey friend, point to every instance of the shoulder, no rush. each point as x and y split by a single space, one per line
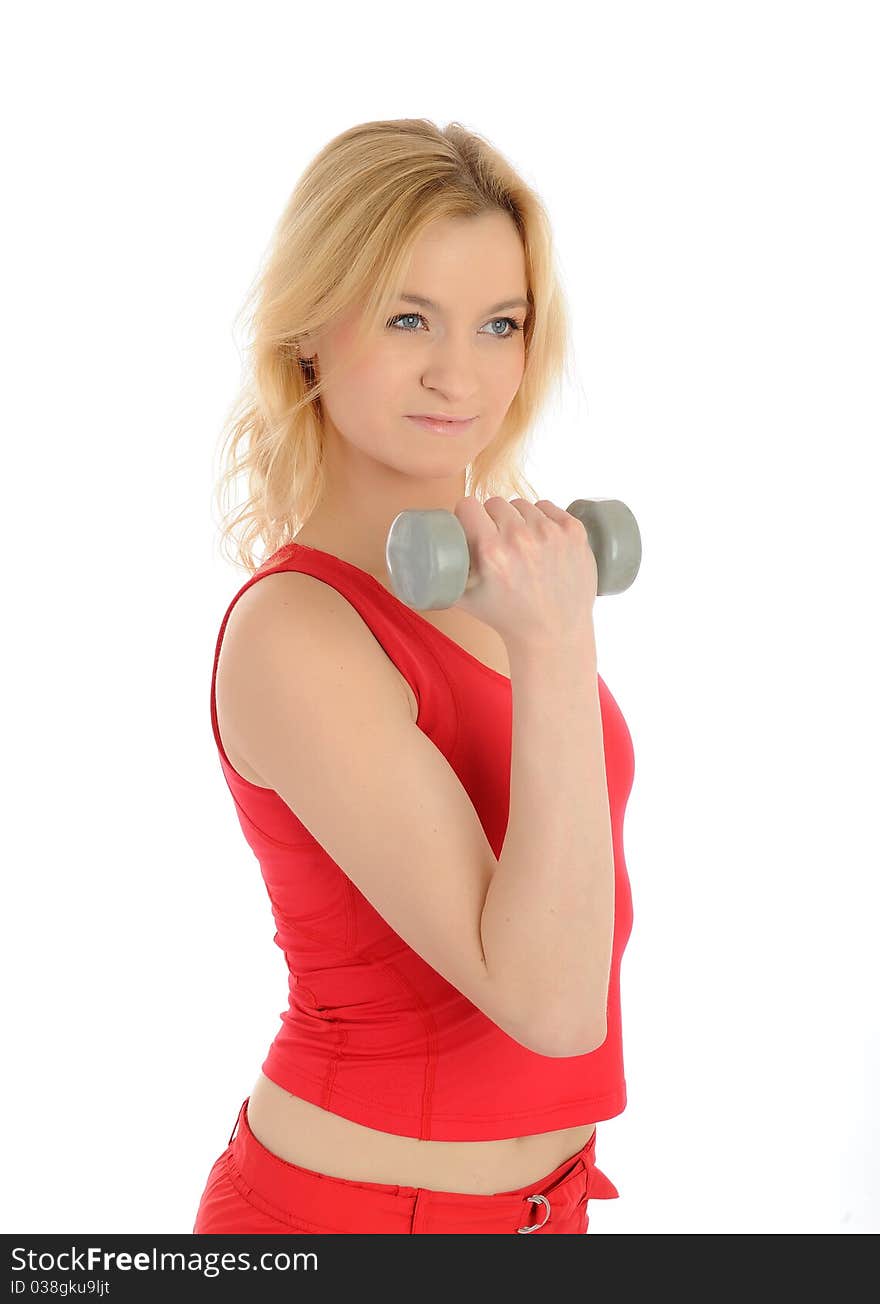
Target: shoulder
304 616
297 606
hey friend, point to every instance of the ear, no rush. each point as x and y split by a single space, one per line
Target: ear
306 347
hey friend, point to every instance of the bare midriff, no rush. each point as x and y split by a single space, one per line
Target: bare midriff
307 1135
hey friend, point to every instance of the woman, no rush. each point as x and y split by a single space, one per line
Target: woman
435 798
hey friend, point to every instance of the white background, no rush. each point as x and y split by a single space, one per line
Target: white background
711 172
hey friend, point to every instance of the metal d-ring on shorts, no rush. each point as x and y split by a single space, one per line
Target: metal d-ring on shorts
251 1190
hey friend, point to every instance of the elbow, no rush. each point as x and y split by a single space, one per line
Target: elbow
583 1042
594 1040
586 1043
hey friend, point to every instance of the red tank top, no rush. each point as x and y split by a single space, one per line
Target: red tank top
371 1031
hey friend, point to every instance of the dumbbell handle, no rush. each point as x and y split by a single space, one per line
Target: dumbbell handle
429 562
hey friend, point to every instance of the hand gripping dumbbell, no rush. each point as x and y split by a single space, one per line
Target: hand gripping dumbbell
429 562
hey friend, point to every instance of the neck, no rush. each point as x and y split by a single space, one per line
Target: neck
361 498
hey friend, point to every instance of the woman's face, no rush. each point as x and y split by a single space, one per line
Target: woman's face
463 358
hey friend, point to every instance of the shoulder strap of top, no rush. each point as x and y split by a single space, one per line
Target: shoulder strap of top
391 623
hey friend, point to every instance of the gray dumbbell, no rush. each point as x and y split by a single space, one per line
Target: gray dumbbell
429 563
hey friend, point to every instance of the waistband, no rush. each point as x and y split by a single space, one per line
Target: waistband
307 1198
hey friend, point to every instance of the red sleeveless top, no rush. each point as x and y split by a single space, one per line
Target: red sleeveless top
371 1031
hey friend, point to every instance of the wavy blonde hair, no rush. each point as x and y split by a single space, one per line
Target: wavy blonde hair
345 238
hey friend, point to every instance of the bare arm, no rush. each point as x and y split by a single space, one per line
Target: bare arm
547 921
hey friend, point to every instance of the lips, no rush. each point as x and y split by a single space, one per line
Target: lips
442 426
439 416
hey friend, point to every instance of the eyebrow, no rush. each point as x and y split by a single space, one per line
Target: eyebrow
429 303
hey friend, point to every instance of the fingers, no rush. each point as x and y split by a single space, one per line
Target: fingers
540 512
480 528
555 513
513 513
503 512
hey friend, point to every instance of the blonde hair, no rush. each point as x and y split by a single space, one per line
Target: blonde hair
346 238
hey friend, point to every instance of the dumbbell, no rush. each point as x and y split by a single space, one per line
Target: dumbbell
429 562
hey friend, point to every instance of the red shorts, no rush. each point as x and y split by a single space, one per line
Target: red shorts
251 1190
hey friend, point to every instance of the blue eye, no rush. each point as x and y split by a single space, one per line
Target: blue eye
402 316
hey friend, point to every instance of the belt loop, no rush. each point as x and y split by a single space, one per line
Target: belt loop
237 1119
